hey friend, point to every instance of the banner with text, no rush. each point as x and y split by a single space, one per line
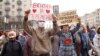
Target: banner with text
41 11
67 18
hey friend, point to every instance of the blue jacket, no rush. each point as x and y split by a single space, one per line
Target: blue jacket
91 34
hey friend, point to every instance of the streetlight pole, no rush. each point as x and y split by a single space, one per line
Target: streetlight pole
5 20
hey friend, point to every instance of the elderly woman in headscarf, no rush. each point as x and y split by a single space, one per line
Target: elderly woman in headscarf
12 47
96 41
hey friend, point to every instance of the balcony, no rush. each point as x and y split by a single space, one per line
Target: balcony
19 2
7 9
7 3
19 9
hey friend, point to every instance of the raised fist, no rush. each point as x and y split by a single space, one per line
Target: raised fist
27 12
54 17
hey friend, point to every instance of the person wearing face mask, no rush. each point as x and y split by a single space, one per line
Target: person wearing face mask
25 40
96 41
12 47
41 38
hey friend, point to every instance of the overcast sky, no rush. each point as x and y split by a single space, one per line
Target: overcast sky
82 6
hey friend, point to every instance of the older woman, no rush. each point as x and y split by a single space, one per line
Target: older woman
66 40
12 47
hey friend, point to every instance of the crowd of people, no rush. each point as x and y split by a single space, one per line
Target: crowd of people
64 41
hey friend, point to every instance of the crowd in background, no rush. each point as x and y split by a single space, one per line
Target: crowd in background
79 40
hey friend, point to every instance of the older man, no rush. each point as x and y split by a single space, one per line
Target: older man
41 41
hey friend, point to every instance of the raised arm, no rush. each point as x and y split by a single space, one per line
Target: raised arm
55 27
25 22
76 28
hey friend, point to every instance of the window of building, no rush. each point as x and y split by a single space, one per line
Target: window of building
19 9
1 0
24 4
19 13
13 6
7 9
0 13
19 2
7 16
7 3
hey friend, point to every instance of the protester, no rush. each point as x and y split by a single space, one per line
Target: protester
12 47
27 44
3 40
91 32
41 41
85 41
78 44
96 41
21 39
66 40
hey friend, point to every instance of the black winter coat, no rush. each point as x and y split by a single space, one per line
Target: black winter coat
12 48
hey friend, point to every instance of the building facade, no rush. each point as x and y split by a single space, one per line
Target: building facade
1 8
1 21
14 10
92 19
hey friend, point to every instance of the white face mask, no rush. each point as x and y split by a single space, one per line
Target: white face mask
41 24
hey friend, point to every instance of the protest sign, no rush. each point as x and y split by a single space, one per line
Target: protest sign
41 11
67 18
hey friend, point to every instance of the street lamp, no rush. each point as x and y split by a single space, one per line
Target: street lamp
5 21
